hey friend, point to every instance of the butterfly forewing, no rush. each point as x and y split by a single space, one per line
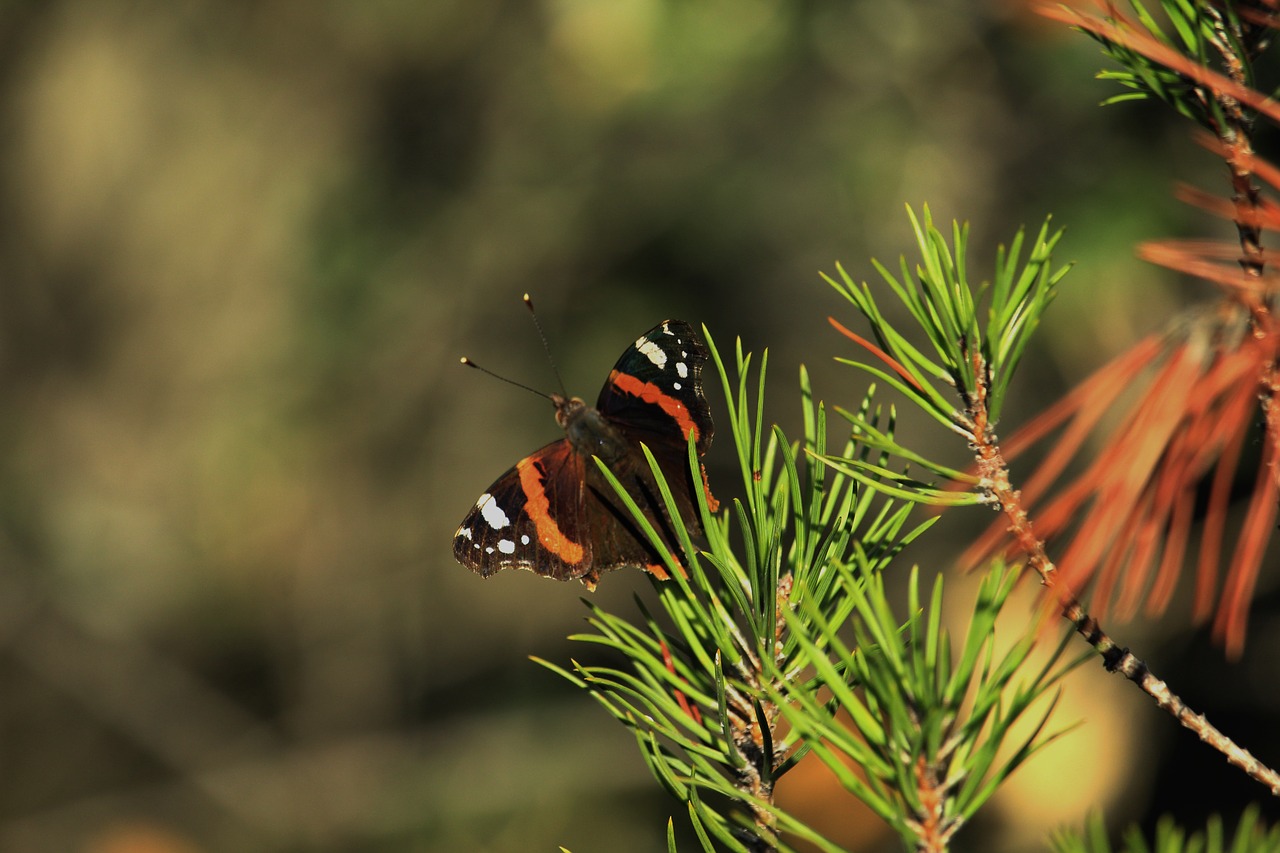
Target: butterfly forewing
655 389
528 518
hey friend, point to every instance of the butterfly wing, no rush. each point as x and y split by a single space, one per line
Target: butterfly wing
555 514
616 539
654 392
654 395
532 518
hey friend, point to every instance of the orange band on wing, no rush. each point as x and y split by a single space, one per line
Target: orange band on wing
537 507
651 393
712 503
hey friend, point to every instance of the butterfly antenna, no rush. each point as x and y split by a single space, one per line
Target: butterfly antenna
528 301
469 363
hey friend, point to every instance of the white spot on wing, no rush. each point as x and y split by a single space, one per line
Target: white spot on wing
676 385
488 550
524 539
492 512
653 352
506 546
463 532
682 369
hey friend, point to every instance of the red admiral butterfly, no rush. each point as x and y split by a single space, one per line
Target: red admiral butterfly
556 515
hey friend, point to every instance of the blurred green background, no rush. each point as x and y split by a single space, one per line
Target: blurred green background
243 246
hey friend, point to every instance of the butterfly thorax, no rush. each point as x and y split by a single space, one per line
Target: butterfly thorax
588 431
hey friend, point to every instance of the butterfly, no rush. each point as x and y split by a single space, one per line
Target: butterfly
555 514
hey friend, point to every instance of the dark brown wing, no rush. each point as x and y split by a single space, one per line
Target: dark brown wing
654 395
655 390
617 539
531 518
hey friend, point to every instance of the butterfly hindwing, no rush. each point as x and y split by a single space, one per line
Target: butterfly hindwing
616 537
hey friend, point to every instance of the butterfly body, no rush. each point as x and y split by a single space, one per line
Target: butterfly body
587 431
555 514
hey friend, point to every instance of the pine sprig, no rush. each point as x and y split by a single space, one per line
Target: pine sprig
977 334
931 733
720 683
1202 58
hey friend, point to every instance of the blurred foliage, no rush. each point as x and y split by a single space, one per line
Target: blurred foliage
1250 835
243 246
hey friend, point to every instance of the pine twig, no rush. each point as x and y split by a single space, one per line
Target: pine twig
932 837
